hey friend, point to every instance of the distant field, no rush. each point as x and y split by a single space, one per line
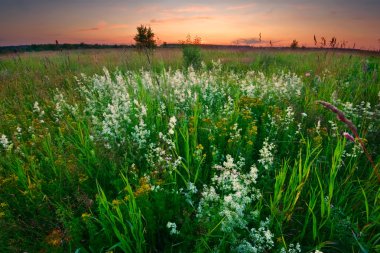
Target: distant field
102 152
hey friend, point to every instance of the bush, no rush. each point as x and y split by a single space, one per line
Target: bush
294 44
192 56
191 52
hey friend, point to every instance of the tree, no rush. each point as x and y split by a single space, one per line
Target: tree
146 42
294 44
145 38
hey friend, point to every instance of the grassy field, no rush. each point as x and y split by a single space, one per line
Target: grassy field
100 152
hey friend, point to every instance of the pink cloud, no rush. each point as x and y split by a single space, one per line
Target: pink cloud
195 8
102 25
118 26
184 9
305 7
148 9
180 19
241 6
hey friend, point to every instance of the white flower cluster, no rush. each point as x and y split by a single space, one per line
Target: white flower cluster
18 133
172 123
334 128
289 117
189 192
7 144
61 106
259 240
172 228
364 109
140 133
283 85
229 199
292 249
266 154
231 192
162 155
229 106
318 127
109 105
355 151
37 110
235 134
361 113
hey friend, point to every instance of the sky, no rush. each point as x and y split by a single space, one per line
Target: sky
214 21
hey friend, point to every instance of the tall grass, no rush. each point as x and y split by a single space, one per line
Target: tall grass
233 157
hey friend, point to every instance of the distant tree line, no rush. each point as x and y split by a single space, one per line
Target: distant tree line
57 47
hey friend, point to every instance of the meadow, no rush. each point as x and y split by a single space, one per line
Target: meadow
101 152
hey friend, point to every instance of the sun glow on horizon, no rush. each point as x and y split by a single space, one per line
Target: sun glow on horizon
223 22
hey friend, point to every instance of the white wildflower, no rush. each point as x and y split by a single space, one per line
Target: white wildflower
37 110
334 127
192 188
7 144
18 132
289 118
172 228
229 195
235 133
172 124
229 163
140 134
292 249
266 154
318 127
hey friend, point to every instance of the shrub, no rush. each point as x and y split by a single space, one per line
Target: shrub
294 44
191 52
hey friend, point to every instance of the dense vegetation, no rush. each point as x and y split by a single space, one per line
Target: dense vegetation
101 152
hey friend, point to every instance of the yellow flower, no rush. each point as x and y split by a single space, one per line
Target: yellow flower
252 130
85 216
199 147
82 177
55 237
144 187
116 202
159 182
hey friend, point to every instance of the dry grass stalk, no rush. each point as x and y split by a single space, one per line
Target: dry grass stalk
340 116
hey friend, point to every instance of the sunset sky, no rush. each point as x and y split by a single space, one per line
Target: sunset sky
215 21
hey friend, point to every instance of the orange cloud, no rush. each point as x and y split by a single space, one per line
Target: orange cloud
240 6
102 25
180 19
192 9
